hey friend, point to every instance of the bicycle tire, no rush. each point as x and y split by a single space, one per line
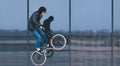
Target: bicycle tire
50 53
38 58
57 40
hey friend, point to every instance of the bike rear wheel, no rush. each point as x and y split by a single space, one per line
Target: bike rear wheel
38 58
58 42
50 53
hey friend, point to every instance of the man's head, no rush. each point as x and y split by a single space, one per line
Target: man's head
42 10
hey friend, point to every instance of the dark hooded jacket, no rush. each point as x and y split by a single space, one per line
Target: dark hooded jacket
34 21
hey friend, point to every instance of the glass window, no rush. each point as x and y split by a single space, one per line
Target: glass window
13 26
91 29
116 38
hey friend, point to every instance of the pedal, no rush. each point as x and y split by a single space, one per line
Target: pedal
43 51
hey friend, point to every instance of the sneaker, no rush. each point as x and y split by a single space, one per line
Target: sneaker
38 49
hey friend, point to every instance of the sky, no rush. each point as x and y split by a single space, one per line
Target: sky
85 14
94 15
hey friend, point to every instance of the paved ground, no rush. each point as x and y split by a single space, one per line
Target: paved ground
78 56
22 59
61 58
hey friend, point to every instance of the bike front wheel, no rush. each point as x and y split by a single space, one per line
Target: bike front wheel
58 42
38 58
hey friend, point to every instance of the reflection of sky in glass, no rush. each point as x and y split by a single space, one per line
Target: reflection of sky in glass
13 14
117 15
93 15
57 8
86 14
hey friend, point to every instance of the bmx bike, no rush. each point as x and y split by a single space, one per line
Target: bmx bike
55 42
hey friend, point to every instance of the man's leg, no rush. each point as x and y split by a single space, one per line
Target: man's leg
42 34
38 38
